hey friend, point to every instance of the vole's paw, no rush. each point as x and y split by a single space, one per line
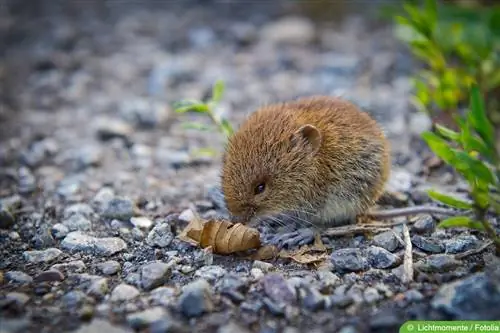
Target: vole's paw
293 239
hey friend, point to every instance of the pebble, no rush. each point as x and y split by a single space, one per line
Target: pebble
328 279
119 208
98 288
427 244
143 113
164 296
348 260
109 267
233 327
419 122
141 222
413 295
196 299
186 215
82 209
154 274
85 157
160 236
19 299
100 325
312 299
26 181
52 275
257 273
124 292
371 295
461 243
42 256
474 298
437 263
77 222
379 257
107 246
262 265
43 237
18 277
112 128
211 273
143 319
75 266
38 151
59 231
103 197
424 224
73 299
289 30
386 240
278 289
6 218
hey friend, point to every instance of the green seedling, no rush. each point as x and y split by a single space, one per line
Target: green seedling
471 152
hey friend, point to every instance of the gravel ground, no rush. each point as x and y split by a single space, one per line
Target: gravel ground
95 169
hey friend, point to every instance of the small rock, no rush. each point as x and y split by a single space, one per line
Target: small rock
170 158
341 301
277 288
186 215
98 288
79 209
111 128
109 267
419 122
164 296
124 292
437 263
424 224
19 299
473 298
76 241
18 277
379 257
51 275
400 181
257 273
100 325
426 244
120 209
75 266
144 113
59 231
196 299
141 222
348 329
386 240
289 30
38 151
413 295
154 274
160 236
6 218
77 222
26 181
349 260
371 295
211 273
312 299
143 319
461 243
43 237
43 256
233 327
73 299
264 266
103 197
328 279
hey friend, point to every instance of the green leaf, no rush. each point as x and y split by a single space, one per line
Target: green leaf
477 167
461 222
197 126
226 127
205 152
431 12
439 146
200 107
478 117
447 133
218 91
449 200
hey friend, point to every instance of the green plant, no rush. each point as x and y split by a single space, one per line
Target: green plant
459 47
208 108
472 153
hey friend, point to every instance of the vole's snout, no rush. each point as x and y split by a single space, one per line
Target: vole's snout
243 216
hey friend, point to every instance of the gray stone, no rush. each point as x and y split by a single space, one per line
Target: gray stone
371 295
75 266
278 289
379 257
103 197
51 275
18 277
424 224
73 299
386 240
348 260
160 236
124 292
312 299
154 274
289 30
474 298
120 209
85 157
77 222
427 244
437 263
59 231
43 237
413 295
141 222
100 325
109 267
211 273
164 296
461 243
82 209
26 181
42 256
144 113
112 128
233 327
77 241
145 318
328 279
98 288
7 220
196 299
19 299
38 152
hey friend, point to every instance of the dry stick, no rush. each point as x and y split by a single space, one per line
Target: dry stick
474 251
353 229
408 258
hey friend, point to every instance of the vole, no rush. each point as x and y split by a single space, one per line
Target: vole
317 159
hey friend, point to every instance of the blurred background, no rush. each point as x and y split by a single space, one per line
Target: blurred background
87 87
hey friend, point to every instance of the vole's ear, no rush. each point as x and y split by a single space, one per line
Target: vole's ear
310 136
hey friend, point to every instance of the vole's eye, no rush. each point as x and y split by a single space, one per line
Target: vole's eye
259 188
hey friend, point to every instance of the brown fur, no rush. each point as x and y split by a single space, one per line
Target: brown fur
334 176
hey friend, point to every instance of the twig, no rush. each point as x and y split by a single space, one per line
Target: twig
474 251
353 229
408 258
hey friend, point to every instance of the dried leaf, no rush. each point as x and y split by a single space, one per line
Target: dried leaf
266 252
